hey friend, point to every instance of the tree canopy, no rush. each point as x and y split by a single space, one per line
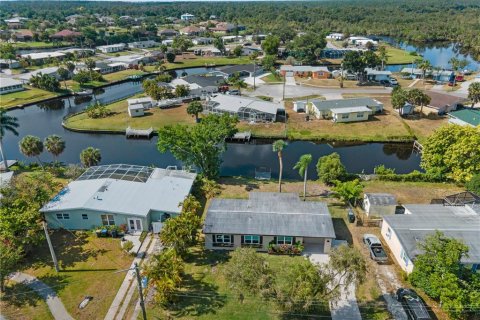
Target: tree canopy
330 168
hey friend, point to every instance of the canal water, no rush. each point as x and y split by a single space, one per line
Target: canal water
240 159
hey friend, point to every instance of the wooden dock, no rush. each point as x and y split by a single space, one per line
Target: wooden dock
242 136
138 133
417 147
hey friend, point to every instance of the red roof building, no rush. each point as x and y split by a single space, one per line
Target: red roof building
66 34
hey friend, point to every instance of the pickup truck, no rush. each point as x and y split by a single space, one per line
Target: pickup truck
375 246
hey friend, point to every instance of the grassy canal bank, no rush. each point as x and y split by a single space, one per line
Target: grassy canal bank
387 127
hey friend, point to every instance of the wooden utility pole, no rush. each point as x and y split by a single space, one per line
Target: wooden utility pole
140 292
284 80
54 257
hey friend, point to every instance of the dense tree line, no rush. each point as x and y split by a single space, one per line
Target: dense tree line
429 20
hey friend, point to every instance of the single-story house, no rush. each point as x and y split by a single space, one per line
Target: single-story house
361 41
246 108
142 44
187 17
305 71
229 39
102 67
136 110
169 33
9 64
352 114
15 22
208 52
243 70
22 35
441 103
465 117
66 35
268 218
41 56
226 27
167 42
131 59
202 40
112 48
145 102
51 71
335 36
443 76
323 108
403 232
377 75
119 194
246 51
192 31
379 204
8 85
209 83
416 72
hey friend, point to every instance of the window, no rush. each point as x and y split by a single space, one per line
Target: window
251 239
63 216
360 115
389 233
345 116
223 238
284 240
107 220
404 257
85 216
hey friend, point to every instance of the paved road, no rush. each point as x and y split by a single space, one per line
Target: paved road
291 91
53 301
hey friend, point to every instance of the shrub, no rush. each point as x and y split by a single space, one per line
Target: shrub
287 249
474 184
382 170
128 246
97 110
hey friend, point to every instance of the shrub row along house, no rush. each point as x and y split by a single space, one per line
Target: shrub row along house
268 219
119 194
341 110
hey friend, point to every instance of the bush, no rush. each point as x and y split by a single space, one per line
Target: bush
414 176
73 171
128 246
287 249
170 57
474 184
382 170
97 110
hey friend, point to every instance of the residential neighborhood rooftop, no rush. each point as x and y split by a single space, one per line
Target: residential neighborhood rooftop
344 103
384 199
235 103
269 213
470 116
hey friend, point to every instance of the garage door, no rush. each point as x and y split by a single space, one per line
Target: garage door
315 244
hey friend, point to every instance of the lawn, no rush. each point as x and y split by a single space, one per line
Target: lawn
271 78
87 266
120 120
424 126
399 56
29 95
22 303
38 44
330 83
122 75
383 127
205 293
194 61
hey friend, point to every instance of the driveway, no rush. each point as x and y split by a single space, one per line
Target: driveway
388 283
346 307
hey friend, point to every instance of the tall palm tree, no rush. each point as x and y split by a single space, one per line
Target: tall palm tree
278 147
425 65
90 157
7 124
302 167
55 145
31 146
382 54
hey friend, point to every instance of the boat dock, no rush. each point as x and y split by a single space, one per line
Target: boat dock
138 133
417 147
242 136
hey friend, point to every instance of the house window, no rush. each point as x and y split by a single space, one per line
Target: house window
63 216
85 216
223 238
389 233
404 257
360 115
284 240
250 239
345 116
107 220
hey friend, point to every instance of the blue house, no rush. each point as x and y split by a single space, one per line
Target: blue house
119 194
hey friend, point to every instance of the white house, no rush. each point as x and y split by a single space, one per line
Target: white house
136 110
145 102
403 232
187 17
325 109
8 85
119 194
51 71
40 56
352 114
361 41
335 36
378 75
142 44
112 48
379 204
131 59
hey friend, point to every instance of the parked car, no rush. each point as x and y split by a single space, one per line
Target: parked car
377 253
393 82
460 78
233 92
413 304
351 216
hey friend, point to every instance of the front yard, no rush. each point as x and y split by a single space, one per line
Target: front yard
29 95
87 266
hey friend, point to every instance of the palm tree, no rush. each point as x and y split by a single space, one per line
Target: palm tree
90 157
194 108
474 92
55 145
302 167
7 124
382 54
425 65
278 147
31 146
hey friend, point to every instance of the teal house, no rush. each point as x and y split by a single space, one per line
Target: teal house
119 194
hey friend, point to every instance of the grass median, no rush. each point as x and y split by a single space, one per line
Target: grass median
29 95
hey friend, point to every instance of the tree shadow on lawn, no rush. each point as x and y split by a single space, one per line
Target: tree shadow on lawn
207 258
70 249
198 299
18 295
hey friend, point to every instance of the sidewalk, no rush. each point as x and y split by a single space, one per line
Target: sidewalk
53 301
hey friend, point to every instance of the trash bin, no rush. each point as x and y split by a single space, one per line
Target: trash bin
351 216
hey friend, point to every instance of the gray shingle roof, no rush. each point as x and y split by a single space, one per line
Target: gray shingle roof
230 70
384 199
267 213
459 222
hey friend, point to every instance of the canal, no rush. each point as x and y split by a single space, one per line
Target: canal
240 159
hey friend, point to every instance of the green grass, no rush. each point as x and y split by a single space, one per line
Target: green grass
205 293
38 44
399 56
203 61
21 303
29 95
271 78
87 266
121 75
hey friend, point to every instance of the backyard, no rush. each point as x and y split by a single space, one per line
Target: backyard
87 266
29 95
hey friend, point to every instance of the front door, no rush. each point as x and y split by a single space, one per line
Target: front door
134 224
